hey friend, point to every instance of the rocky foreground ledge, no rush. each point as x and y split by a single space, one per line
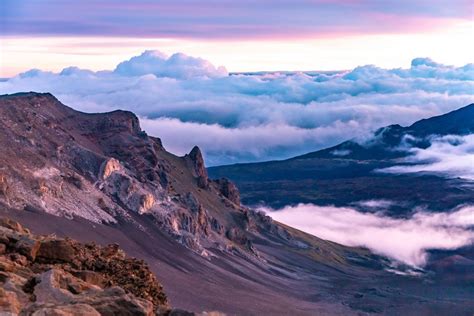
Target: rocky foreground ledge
45 275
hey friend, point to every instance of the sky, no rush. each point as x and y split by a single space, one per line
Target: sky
241 35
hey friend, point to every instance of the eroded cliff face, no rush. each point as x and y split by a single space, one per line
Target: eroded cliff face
45 275
103 168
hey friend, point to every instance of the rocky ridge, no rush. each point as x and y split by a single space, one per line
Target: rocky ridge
104 168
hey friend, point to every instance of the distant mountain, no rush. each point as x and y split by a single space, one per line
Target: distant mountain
344 174
458 122
99 178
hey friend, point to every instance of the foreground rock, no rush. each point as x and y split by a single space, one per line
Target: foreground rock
44 275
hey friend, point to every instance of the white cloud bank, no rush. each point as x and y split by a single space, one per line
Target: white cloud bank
187 101
176 66
451 156
405 240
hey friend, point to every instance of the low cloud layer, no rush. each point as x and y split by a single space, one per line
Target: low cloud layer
451 156
405 240
375 205
234 118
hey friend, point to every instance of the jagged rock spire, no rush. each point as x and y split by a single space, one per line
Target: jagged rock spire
199 168
228 189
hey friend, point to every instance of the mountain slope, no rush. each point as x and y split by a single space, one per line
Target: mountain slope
345 174
98 177
457 122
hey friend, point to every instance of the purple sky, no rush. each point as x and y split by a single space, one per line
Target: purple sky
242 35
223 19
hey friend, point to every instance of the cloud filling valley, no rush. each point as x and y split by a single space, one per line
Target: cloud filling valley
404 240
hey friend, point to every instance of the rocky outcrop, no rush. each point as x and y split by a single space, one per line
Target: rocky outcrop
108 167
119 122
3 186
125 190
45 275
146 202
239 237
198 167
228 189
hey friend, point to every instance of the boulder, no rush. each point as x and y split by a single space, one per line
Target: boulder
49 289
56 250
9 304
64 310
28 247
19 259
15 226
91 277
114 301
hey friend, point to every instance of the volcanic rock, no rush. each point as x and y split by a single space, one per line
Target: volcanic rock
64 277
228 189
56 250
146 202
108 167
198 166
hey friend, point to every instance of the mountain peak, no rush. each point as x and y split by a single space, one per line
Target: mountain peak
196 154
28 94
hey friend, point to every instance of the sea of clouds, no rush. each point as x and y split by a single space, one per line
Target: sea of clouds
253 117
449 156
404 240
